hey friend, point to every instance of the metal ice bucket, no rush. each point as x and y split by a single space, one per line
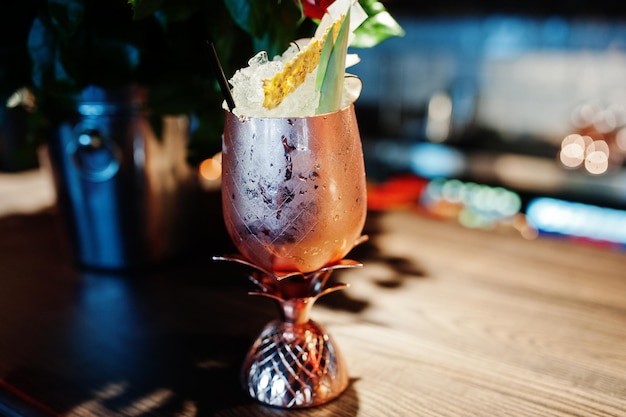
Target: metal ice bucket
123 189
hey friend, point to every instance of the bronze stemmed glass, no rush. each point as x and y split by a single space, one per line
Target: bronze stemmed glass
294 203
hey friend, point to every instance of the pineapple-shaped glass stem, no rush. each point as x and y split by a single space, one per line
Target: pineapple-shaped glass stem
294 362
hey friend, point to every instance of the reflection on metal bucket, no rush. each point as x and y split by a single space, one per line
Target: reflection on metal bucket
123 184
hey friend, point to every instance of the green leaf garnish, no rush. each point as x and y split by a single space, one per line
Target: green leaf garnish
332 86
324 58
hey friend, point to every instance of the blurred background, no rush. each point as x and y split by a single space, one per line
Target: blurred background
493 104
488 113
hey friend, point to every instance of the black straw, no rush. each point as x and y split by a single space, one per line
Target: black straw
221 78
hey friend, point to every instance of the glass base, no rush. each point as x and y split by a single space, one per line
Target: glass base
294 362
294 365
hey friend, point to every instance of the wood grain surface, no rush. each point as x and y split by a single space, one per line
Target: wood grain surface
441 321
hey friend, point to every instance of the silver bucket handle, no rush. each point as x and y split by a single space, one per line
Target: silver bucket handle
94 156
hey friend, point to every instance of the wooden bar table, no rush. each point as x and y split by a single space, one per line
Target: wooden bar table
441 321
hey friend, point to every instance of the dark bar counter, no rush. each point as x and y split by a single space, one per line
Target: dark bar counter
441 321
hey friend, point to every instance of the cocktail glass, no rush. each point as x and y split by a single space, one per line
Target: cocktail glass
294 203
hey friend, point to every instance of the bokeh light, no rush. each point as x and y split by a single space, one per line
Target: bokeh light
620 140
471 204
597 158
439 117
585 114
580 220
596 163
211 169
573 150
603 127
582 150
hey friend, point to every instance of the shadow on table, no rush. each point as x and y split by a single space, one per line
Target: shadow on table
371 252
167 342
209 387
163 344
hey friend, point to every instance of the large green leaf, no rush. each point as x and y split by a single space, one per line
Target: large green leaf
271 24
379 26
375 30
